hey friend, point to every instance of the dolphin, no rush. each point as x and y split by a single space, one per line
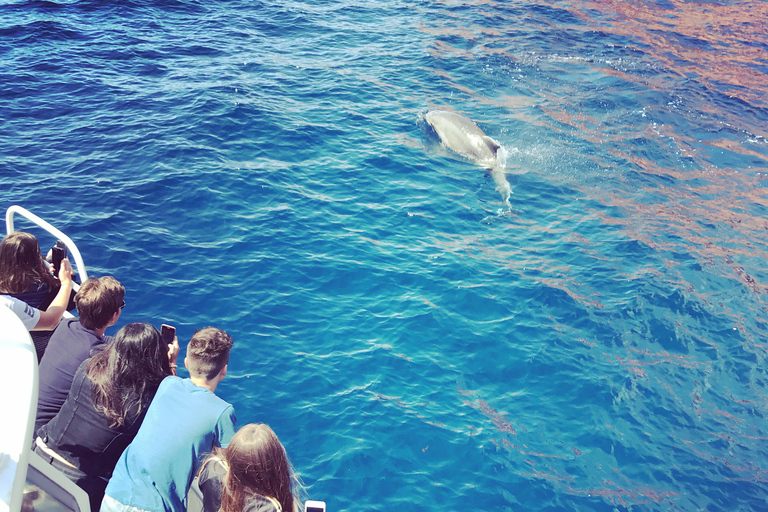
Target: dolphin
463 136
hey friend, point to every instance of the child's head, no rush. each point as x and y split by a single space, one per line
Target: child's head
257 464
208 352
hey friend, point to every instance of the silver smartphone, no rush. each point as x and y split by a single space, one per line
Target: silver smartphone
314 506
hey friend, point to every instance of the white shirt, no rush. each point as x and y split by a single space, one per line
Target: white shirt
29 315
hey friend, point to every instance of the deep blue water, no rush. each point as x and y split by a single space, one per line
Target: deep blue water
263 166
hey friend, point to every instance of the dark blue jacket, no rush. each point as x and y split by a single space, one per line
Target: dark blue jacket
83 436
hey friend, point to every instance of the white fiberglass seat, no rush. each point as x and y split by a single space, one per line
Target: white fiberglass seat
27 482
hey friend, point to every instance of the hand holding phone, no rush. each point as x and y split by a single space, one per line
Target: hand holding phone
168 333
314 506
58 253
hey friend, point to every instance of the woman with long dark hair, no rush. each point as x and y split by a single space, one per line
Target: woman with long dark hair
24 273
106 404
29 289
251 474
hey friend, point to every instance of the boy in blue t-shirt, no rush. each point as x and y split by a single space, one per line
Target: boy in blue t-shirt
184 422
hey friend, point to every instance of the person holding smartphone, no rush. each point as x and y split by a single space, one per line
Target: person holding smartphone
26 275
35 319
30 290
105 406
185 420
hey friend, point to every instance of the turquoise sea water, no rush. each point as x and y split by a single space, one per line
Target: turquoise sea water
264 167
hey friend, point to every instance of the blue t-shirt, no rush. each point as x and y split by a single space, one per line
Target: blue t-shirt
183 424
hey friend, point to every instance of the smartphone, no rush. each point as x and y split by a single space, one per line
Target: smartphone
168 332
58 253
314 506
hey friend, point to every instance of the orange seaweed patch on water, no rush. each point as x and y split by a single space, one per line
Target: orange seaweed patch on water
735 147
664 357
743 402
728 415
720 46
621 495
429 303
515 104
559 284
669 389
648 166
746 279
550 476
588 127
443 50
497 418
687 213
758 438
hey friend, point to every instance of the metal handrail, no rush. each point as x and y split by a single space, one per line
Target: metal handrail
73 250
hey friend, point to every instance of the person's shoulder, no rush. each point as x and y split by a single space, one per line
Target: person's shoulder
67 328
12 302
226 408
170 381
213 468
76 336
65 338
26 313
84 366
171 389
258 503
81 376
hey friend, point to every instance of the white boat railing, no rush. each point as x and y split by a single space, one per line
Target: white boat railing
74 253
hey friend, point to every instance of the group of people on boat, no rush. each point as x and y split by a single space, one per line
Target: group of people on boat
114 417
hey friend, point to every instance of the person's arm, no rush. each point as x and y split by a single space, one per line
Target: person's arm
210 480
51 317
225 427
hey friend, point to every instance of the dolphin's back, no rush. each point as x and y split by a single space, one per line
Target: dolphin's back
462 135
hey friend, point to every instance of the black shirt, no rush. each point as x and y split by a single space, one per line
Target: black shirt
70 345
83 435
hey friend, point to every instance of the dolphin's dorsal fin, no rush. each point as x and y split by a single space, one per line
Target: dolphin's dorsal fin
492 144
